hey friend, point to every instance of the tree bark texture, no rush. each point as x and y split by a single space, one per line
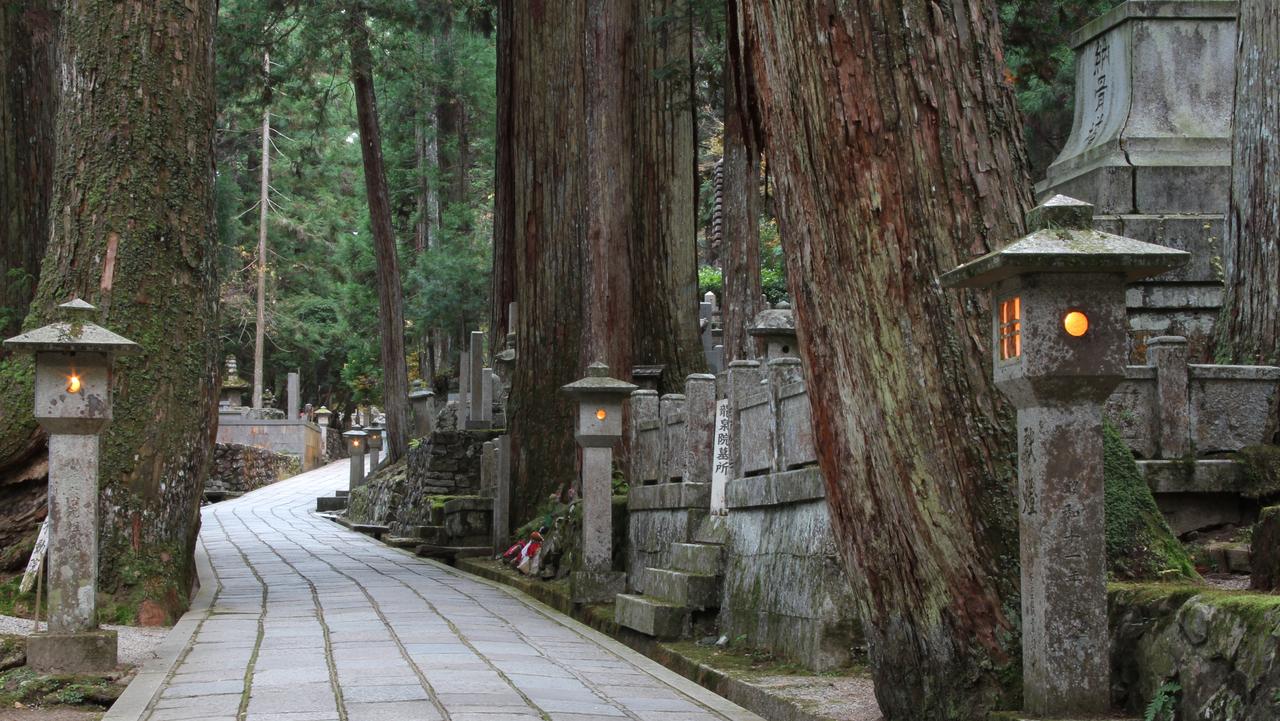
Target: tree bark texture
133 233
395 374
543 116
740 251
1249 330
264 207
606 303
664 249
28 99
503 277
896 148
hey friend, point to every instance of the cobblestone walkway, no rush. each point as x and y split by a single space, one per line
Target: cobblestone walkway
311 622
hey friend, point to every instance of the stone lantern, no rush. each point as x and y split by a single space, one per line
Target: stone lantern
423 403
323 417
776 327
1058 336
374 441
233 386
355 439
73 381
599 426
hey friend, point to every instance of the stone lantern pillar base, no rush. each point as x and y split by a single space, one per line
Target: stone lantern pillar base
597 586
68 653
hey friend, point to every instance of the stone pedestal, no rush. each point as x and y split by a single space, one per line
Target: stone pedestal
73 532
480 415
1150 147
502 496
92 651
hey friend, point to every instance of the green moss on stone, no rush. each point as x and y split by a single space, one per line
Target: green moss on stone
1261 466
1140 544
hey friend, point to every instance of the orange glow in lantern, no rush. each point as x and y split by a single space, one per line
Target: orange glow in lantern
355 443
600 414
1076 323
73 383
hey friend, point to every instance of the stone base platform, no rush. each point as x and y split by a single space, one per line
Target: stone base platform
596 586
70 653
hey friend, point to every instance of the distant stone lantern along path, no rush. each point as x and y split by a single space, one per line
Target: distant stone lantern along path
1058 337
73 404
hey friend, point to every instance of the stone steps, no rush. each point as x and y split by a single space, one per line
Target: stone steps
450 553
692 590
326 504
703 558
651 616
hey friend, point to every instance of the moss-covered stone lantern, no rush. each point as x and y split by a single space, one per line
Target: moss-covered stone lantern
355 440
1059 339
73 379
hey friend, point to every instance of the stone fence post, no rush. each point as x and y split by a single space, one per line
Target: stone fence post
699 427
672 422
646 438
1168 354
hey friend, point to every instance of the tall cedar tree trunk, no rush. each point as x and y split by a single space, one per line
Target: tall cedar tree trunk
897 154
664 260
542 116
1249 331
606 303
134 235
264 203
740 218
395 376
28 100
503 278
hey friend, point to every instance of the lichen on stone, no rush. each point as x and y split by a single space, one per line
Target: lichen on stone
1261 466
1140 544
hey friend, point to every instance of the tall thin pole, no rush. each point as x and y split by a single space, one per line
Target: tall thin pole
259 335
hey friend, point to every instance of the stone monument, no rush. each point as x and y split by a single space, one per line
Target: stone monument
599 427
1150 148
1058 335
73 380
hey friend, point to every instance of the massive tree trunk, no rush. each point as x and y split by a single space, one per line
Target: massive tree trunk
1249 330
28 98
606 303
395 375
133 233
741 212
503 279
545 127
664 249
897 153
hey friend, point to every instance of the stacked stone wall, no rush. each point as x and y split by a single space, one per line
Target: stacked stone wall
237 469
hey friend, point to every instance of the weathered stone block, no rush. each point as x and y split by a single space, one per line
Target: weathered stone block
683 588
651 616
666 496
596 586
650 534
69 653
704 558
327 504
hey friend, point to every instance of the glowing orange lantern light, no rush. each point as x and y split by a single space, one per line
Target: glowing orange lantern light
73 383
1076 323
601 415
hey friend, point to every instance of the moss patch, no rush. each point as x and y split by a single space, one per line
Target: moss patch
1261 471
24 687
1140 544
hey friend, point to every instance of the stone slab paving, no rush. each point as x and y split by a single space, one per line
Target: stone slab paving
307 621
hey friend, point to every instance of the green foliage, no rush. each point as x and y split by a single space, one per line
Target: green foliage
1140 544
1164 704
1041 66
24 687
1261 466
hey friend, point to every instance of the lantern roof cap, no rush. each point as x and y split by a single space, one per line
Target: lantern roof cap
507 355
74 334
422 393
598 382
355 433
323 409
773 321
1062 240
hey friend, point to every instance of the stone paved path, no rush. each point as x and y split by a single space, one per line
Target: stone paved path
311 622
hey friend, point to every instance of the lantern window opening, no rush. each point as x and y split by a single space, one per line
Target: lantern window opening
1075 322
601 414
1010 329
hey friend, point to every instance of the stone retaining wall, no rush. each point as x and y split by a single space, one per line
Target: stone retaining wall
784 588
1219 648
237 468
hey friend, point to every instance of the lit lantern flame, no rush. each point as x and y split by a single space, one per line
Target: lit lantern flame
355 443
601 415
73 383
1076 323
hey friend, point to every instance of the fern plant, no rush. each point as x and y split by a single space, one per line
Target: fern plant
1164 703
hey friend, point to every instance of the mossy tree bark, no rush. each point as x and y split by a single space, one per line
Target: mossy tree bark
28 99
395 372
663 246
1249 330
132 215
542 123
897 153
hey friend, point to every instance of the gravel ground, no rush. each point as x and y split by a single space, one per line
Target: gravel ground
137 645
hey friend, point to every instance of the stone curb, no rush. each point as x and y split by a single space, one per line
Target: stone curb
142 691
759 702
